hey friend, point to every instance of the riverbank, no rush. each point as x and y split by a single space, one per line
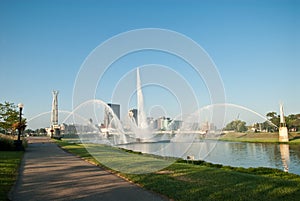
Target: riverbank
259 137
198 180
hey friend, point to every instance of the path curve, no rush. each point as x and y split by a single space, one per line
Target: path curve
49 173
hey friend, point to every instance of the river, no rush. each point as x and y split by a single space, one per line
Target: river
237 154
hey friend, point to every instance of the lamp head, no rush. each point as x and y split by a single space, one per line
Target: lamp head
20 105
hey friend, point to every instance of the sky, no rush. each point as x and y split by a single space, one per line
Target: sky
255 46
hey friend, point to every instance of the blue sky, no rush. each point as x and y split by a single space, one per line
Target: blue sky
254 44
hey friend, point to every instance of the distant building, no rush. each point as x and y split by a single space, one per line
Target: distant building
206 126
115 108
175 125
133 114
150 122
68 129
108 116
163 123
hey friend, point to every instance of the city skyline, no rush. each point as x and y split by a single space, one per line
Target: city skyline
254 45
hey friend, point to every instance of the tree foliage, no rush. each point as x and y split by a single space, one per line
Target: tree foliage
9 117
292 120
236 125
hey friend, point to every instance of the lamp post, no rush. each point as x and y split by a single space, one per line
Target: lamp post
19 142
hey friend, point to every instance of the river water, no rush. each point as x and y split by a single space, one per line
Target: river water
237 154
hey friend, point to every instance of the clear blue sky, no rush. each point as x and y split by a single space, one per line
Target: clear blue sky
254 44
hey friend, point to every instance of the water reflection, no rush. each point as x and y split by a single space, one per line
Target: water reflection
238 154
285 156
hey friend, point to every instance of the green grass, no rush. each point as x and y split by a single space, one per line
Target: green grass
206 181
9 164
259 137
120 160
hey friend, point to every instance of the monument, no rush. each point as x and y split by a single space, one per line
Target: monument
55 128
283 132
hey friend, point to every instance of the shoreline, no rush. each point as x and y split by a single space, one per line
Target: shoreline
192 180
294 138
251 137
171 158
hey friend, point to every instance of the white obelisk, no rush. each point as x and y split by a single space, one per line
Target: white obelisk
54 113
283 132
54 127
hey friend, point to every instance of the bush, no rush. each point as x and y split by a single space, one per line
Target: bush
7 143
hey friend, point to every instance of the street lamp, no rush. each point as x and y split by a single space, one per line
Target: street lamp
19 142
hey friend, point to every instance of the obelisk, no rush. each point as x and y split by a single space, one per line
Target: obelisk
54 113
55 128
283 132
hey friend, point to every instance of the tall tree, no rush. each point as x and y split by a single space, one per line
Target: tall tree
237 125
9 117
274 118
271 115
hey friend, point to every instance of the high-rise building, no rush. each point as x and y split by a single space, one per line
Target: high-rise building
108 116
133 113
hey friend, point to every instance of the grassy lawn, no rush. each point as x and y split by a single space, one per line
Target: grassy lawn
9 164
258 137
205 181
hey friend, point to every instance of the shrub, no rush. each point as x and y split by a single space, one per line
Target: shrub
7 143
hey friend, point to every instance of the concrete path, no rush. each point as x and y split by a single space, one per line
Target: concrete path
49 173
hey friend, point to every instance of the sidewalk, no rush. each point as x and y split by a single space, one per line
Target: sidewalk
49 173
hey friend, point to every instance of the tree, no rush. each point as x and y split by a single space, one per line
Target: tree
293 121
274 118
236 125
9 117
29 131
266 125
42 131
271 115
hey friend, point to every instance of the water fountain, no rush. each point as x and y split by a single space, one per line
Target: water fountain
141 130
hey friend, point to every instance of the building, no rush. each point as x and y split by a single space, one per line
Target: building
206 126
163 123
133 114
68 129
175 125
108 116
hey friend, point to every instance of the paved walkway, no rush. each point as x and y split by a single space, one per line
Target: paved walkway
49 173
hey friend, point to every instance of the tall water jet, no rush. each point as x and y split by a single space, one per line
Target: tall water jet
142 121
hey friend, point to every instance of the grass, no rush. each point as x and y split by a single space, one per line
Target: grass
9 164
206 181
118 159
258 137
200 182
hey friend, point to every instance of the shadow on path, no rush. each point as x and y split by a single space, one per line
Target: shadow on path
49 173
